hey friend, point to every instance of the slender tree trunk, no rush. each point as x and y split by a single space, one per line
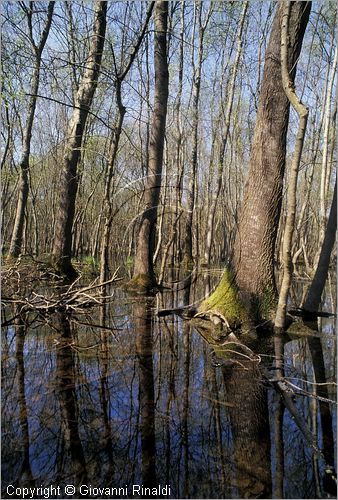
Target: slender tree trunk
108 219
188 247
230 100
325 166
144 275
302 112
315 291
176 252
69 178
23 186
108 206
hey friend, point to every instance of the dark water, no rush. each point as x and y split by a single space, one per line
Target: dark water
141 400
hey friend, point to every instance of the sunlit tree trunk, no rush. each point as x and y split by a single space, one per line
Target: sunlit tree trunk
253 260
144 275
62 247
121 110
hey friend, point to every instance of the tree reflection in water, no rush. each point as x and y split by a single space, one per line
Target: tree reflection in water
20 330
249 417
138 399
142 318
66 387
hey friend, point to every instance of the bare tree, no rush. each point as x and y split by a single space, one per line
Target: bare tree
108 209
228 111
23 186
302 112
253 260
196 90
144 275
72 152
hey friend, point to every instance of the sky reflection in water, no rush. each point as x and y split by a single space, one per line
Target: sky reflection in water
146 403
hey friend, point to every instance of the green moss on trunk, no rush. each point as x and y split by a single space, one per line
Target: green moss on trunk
225 300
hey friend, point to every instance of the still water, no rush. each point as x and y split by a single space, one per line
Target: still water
116 399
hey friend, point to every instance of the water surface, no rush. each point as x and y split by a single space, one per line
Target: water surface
116 397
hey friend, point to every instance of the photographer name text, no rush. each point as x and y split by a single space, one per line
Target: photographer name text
52 491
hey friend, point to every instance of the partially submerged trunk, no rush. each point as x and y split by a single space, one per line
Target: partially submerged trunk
62 247
252 282
144 275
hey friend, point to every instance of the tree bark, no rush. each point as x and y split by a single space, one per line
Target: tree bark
253 259
69 178
144 275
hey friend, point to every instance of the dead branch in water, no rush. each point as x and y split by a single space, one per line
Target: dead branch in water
71 299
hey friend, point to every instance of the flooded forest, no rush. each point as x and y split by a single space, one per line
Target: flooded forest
169 214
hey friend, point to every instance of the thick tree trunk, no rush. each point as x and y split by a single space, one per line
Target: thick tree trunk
253 260
23 186
144 275
69 178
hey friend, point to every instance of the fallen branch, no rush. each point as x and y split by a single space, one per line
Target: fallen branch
71 299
